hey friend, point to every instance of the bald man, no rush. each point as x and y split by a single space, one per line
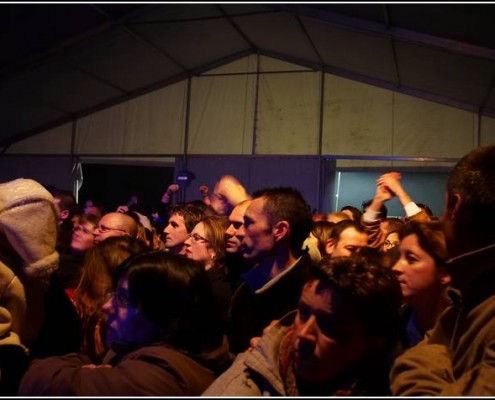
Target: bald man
114 224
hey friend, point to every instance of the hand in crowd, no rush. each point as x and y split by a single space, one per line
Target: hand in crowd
391 181
122 209
382 193
203 189
173 188
254 341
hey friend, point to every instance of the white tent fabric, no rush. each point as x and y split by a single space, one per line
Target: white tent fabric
231 111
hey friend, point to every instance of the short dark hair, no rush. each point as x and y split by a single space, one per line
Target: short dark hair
371 291
341 226
473 178
175 293
67 201
191 214
356 212
288 204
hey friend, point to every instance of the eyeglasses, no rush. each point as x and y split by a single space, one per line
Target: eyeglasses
105 229
197 238
390 244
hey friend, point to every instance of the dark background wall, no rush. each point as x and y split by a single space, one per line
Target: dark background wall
47 170
111 185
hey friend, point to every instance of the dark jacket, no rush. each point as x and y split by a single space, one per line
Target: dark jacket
255 305
222 291
155 370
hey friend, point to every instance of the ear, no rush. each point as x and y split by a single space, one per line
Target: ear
445 278
329 246
64 214
454 204
281 230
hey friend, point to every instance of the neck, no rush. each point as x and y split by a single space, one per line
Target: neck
279 262
429 309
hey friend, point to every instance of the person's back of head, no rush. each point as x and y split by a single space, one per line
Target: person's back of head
287 204
175 293
352 211
470 207
65 201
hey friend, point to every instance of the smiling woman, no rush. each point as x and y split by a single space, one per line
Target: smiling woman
163 332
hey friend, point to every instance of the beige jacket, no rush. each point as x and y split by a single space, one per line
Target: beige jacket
458 358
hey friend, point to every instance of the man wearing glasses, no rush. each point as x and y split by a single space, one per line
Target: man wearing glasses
115 224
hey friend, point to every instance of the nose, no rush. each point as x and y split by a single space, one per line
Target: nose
187 242
307 338
308 328
397 267
107 307
241 232
230 232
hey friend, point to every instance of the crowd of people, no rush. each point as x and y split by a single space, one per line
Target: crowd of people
239 294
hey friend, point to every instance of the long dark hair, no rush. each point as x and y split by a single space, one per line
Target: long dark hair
175 293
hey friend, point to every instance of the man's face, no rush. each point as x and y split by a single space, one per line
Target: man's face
258 239
327 340
350 241
233 233
175 232
113 224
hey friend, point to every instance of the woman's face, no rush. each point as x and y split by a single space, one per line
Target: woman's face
416 270
82 237
198 246
126 324
391 241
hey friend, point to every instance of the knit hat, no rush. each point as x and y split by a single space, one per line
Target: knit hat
29 222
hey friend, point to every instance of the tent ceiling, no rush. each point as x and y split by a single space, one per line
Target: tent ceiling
63 61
